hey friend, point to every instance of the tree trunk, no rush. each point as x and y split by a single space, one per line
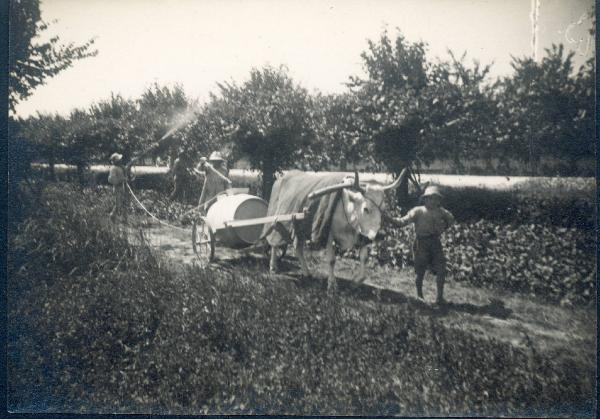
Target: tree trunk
459 168
80 174
52 172
268 179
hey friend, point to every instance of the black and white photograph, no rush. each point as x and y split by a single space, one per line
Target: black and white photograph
302 207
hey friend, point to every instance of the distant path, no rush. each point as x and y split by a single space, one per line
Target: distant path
493 182
501 315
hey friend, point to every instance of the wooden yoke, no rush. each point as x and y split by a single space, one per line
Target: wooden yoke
328 189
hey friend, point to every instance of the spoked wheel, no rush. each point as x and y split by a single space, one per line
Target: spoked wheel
203 241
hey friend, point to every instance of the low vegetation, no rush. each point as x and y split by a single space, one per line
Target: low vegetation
97 324
549 201
551 262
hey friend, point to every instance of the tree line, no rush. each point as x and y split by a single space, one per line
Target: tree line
407 110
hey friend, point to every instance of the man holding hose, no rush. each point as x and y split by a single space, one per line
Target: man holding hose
118 176
215 176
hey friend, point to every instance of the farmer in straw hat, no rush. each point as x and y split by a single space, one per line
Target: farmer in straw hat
215 176
430 221
118 176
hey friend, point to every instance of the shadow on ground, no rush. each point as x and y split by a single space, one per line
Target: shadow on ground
365 292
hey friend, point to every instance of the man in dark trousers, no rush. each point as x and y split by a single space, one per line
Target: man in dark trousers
181 177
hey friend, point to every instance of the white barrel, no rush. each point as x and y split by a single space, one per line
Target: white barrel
237 207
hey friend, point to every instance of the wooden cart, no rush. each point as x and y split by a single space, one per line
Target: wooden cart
235 220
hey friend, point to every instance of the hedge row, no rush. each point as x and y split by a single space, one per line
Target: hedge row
530 204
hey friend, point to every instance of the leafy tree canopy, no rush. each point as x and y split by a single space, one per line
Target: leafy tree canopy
31 61
548 109
416 111
268 121
339 138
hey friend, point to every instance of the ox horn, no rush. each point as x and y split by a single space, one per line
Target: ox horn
398 180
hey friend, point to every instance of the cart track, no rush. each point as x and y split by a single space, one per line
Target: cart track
496 314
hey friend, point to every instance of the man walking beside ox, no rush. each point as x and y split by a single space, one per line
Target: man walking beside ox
430 221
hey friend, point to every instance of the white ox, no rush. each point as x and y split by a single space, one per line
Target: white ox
357 213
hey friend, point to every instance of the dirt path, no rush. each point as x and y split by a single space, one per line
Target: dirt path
495 314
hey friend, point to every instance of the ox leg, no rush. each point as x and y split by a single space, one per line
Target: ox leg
299 248
331 282
273 262
363 254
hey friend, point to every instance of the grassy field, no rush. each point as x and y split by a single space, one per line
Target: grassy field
97 324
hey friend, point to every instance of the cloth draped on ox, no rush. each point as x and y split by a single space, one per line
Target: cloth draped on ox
290 195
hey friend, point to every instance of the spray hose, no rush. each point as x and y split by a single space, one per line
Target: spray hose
150 214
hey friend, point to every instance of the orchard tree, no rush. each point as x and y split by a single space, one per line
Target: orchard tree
339 138
268 121
548 110
111 127
397 66
150 124
390 102
31 61
397 77
415 111
79 146
585 121
46 132
462 113
163 114
208 131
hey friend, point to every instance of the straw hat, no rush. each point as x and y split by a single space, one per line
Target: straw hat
215 156
432 191
115 157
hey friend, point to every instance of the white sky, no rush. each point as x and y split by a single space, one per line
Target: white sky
200 42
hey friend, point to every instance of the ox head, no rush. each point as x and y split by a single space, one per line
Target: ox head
363 202
362 213
376 191
368 212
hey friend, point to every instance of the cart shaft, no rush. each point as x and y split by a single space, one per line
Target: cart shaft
265 220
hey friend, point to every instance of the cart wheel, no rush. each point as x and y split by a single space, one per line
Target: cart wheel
203 241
